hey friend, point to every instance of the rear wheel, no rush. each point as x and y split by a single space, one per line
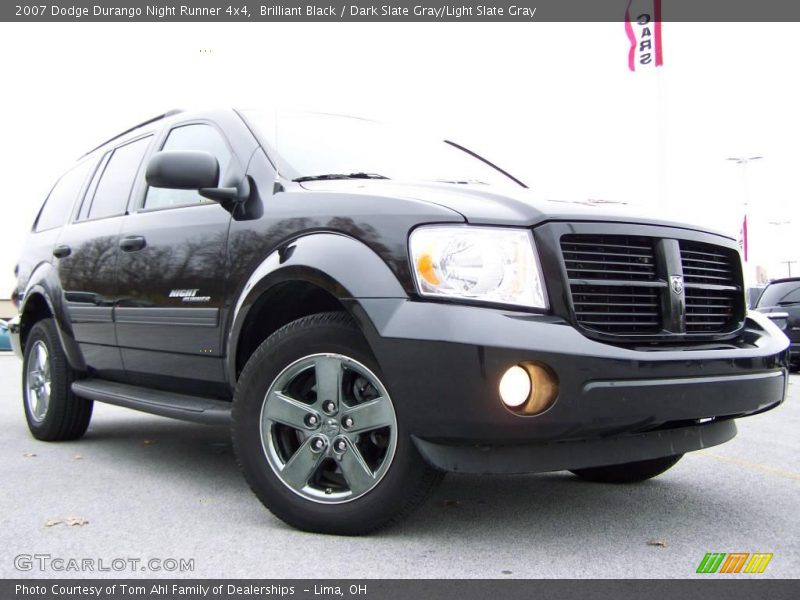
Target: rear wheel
632 472
53 412
317 435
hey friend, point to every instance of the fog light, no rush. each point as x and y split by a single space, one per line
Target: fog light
529 388
515 387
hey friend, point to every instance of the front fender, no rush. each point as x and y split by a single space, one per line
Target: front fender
44 282
343 266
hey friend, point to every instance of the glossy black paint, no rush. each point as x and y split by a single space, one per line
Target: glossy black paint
174 300
444 364
88 278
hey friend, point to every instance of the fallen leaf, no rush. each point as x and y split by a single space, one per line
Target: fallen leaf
30 455
52 522
658 543
76 521
77 457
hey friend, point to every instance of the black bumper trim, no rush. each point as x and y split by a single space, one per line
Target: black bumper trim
557 456
673 381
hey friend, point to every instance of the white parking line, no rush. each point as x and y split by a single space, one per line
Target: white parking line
751 465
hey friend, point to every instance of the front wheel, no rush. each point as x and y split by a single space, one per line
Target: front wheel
632 472
53 412
317 435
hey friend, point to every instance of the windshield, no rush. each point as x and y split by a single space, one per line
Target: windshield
780 294
313 145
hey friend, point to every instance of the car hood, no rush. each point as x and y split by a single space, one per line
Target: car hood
481 204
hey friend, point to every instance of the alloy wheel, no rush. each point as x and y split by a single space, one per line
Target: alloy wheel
38 382
328 428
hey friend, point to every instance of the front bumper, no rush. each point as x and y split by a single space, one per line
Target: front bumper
442 363
576 454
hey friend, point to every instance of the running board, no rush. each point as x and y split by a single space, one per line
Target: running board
164 404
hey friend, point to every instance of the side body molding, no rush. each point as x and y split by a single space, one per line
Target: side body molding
341 265
44 282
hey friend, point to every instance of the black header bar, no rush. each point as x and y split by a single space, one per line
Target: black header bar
526 11
395 589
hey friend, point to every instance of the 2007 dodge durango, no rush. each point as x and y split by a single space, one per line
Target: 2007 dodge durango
368 310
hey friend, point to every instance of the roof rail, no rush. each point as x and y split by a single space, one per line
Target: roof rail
169 113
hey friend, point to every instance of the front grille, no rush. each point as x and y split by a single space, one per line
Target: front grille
625 285
709 309
613 309
608 257
595 259
704 263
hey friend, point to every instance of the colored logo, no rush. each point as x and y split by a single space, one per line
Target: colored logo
735 562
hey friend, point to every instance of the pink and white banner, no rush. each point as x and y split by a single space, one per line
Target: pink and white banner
743 239
643 26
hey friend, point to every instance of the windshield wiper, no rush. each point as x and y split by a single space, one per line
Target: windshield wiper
788 303
339 176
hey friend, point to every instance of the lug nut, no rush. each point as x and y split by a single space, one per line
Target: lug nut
339 446
312 420
329 406
348 422
317 444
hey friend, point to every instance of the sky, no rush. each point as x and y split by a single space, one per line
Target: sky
553 103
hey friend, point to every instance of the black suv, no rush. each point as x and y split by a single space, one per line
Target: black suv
780 301
368 310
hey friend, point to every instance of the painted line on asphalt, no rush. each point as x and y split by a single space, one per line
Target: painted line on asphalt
751 465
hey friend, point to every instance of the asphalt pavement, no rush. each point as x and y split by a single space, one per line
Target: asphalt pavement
142 487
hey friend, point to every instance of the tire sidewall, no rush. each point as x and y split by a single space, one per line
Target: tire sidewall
60 380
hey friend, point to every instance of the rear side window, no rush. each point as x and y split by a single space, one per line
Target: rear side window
110 197
199 137
59 203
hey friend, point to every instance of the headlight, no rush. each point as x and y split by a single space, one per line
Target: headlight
487 264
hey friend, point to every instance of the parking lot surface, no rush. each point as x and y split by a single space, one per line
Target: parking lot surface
144 487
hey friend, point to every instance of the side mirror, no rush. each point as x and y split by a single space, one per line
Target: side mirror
182 170
190 170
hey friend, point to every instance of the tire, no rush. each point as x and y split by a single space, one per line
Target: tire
632 472
53 412
321 489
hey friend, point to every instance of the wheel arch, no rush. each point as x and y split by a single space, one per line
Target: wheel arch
320 272
43 299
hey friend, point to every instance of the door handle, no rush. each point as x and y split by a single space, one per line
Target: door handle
132 243
62 251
